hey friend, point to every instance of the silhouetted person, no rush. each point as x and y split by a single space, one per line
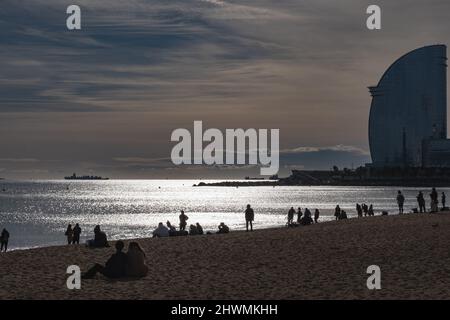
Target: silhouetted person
307 220
370 211
161 231
100 239
76 234
343 215
337 212
421 202
290 217
249 217
172 229
365 209
299 215
199 228
115 267
400 201
316 215
359 210
443 201
136 266
4 238
69 234
434 200
223 228
193 230
183 221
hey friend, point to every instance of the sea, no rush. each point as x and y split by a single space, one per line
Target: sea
36 213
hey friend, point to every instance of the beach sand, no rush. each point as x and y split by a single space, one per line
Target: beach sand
323 261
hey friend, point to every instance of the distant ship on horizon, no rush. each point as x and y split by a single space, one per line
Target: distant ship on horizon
75 177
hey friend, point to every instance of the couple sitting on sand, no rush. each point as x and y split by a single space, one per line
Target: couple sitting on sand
131 264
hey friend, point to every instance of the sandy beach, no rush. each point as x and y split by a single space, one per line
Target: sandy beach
323 261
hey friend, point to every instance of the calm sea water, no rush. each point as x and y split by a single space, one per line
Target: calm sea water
37 212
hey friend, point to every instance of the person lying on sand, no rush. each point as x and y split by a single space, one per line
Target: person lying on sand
136 266
114 268
223 228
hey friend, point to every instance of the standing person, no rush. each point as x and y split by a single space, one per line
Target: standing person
365 209
69 234
359 210
370 211
337 212
183 220
434 200
249 217
76 234
316 215
421 202
443 201
291 216
4 238
299 215
400 202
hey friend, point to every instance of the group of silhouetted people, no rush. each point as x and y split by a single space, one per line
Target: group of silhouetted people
131 264
434 202
364 210
4 238
303 218
73 234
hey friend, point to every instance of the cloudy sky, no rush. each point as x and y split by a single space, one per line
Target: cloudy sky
104 100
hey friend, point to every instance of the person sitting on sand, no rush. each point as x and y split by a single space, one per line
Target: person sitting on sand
161 231
4 238
307 220
114 268
76 234
223 228
69 234
172 229
316 215
193 230
199 228
400 201
249 217
183 220
290 216
299 215
100 239
136 266
337 212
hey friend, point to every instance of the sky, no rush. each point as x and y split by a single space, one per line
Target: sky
105 99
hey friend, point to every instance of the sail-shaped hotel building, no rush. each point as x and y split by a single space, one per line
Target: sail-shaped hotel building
408 115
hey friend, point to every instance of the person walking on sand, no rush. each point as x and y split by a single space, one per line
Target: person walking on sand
421 202
76 234
299 215
316 215
443 201
114 268
337 212
4 238
183 221
370 210
400 202
69 234
249 217
290 217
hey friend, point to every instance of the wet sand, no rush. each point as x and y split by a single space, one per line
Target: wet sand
323 261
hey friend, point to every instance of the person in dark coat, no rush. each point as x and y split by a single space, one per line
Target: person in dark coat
114 268
249 217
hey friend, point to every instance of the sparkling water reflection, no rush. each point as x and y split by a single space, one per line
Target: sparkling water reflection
37 212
